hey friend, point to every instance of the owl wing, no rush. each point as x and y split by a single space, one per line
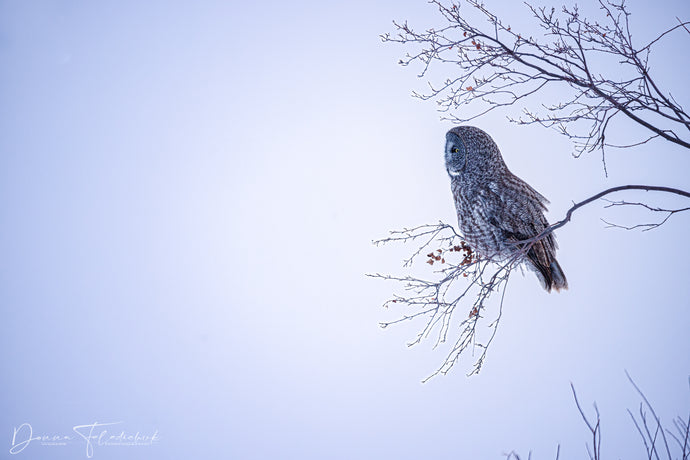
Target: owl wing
516 211
515 208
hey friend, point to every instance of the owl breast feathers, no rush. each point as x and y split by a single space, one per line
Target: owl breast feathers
496 209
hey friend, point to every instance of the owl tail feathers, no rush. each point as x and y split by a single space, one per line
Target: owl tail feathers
551 277
558 280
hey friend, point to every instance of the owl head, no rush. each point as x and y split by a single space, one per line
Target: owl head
470 151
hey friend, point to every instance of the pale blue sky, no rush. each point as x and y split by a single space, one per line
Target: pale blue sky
189 192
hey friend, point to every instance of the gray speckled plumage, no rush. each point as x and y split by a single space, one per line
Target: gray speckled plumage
495 208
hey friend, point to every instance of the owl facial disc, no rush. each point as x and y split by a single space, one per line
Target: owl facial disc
456 158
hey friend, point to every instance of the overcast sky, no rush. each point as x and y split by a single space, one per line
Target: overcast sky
188 195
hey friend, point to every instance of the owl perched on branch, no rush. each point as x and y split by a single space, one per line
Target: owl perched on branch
496 209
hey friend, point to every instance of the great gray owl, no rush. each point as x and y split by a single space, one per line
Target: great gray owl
497 209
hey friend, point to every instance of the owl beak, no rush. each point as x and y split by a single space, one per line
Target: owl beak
452 173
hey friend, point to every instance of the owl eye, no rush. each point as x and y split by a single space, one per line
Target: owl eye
454 150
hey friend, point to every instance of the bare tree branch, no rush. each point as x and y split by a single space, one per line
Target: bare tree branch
650 431
497 67
438 298
648 226
594 428
575 207
658 430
